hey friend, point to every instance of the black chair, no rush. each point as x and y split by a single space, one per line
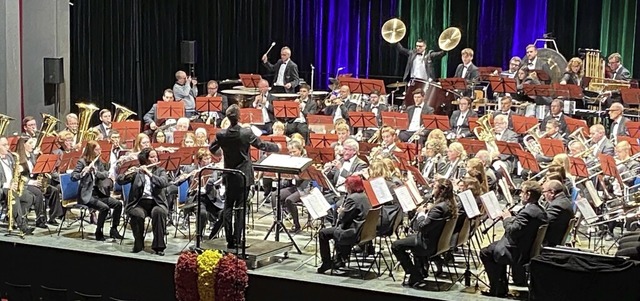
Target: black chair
85 297
53 294
18 292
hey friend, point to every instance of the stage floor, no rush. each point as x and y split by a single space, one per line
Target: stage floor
276 265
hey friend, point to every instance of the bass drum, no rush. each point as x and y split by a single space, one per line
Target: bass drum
414 85
556 61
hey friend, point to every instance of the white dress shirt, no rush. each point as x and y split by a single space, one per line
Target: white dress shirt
280 79
414 125
346 167
419 70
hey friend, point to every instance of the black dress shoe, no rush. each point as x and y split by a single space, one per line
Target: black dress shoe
159 253
494 294
324 267
41 225
28 230
115 234
415 280
137 247
100 236
53 222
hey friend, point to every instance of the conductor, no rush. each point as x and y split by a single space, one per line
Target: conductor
234 143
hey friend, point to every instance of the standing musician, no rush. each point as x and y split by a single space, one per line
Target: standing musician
415 113
90 171
429 223
307 106
505 109
618 121
574 73
29 127
151 117
24 149
598 138
287 71
22 202
533 63
186 89
234 142
147 197
212 91
514 247
557 114
559 212
264 102
467 69
105 124
619 72
459 121
420 61
352 214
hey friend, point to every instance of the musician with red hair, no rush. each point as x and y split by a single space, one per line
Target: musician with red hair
351 215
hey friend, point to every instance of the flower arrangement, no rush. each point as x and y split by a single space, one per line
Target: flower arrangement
210 276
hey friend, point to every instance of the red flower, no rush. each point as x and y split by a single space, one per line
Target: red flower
186 277
231 279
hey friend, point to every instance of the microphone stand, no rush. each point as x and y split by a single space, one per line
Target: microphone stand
313 69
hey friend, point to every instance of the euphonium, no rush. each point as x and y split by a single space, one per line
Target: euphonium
84 118
121 113
4 122
484 132
532 140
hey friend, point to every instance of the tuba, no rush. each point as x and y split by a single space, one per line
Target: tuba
484 132
84 117
47 129
121 113
4 122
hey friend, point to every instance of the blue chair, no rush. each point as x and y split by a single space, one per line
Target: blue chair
183 192
126 188
69 198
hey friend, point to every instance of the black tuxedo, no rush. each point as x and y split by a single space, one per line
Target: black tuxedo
559 213
104 131
561 120
266 127
539 65
154 206
622 128
429 56
473 73
346 107
381 108
345 234
464 128
426 110
234 143
290 73
89 195
22 202
514 247
356 166
621 74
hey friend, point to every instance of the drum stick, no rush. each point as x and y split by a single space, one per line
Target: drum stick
272 44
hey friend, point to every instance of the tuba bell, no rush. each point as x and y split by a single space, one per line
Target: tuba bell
4 122
47 129
84 117
532 140
121 113
484 132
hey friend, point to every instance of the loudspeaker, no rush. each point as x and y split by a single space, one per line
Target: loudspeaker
53 70
188 52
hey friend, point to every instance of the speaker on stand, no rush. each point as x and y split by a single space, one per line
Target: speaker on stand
53 77
188 55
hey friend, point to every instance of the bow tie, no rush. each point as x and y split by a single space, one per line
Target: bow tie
419 54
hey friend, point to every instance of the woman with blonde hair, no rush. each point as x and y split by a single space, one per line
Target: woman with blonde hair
455 156
189 140
574 72
477 165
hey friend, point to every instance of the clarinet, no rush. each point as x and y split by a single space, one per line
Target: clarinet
495 221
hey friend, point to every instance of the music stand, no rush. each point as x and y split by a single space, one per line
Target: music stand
170 161
472 146
567 91
13 142
209 104
521 124
633 127
286 109
608 165
254 153
169 109
578 168
363 119
488 71
508 148
251 116
396 120
630 96
46 146
322 140
178 137
320 120
453 83
433 122
69 160
573 124
250 80
551 147
128 129
528 161
635 147
320 155
411 150
188 154
417 175
105 153
473 123
280 140
128 164
45 164
503 85
542 75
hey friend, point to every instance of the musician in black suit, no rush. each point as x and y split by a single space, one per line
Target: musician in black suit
375 105
552 131
618 121
150 118
429 223
25 151
212 91
264 102
515 246
556 113
505 109
341 105
352 215
22 202
29 126
147 197
90 171
459 120
532 62
559 212
286 70
105 124
234 142
598 138
420 61
307 106
574 73
340 170
467 69
619 72
415 113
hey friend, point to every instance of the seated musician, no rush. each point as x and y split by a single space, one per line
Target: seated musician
147 197
559 212
388 146
105 124
375 106
342 131
29 127
576 148
90 171
472 184
415 113
505 109
394 172
71 124
277 129
151 117
486 159
433 158
459 121
352 214
529 77
454 162
514 65
428 223
186 90
600 141
23 201
24 149
339 170
142 141
476 168
619 72
307 106
574 72
552 132
212 91
515 245
341 105
201 137
189 140
618 121
159 137
556 113
467 69
290 189
65 143
264 102
390 210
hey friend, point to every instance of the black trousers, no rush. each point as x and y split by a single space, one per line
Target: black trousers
342 251
103 205
400 249
20 207
158 214
236 198
497 271
208 212
53 201
289 197
38 203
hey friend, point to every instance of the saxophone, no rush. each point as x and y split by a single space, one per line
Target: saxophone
13 194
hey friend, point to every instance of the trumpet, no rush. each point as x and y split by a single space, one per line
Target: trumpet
416 136
135 169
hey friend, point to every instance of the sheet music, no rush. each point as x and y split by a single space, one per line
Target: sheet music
413 189
315 203
405 199
469 203
381 190
286 161
591 189
504 187
585 209
490 201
